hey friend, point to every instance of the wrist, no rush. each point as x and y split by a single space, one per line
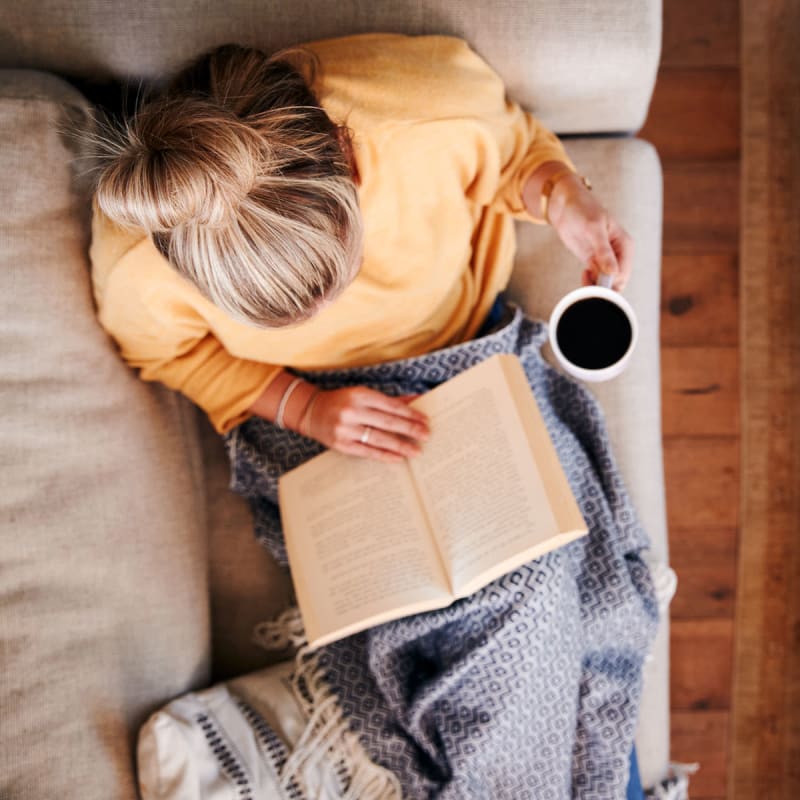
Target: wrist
549 187
297 405
281 396
564 190
532 188
266 404
304 425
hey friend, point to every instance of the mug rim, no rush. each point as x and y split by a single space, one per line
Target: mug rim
582 292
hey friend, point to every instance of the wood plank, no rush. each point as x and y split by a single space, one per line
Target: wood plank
707 127
704 559
701 207
700 391
702 481
700 299
701 663
700 34
702 737
699 309
766 724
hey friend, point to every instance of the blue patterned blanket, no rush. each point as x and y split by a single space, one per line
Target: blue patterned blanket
530 687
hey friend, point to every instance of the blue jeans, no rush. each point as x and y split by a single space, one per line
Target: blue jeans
635 791
494 316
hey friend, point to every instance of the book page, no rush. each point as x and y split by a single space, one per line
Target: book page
359 546
478 480
562 502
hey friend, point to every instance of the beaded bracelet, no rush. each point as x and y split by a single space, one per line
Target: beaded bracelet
284 400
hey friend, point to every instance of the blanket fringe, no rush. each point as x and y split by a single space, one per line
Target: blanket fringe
327 744
665 583
676 785
286 630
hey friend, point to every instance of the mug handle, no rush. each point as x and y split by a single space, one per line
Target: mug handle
606 280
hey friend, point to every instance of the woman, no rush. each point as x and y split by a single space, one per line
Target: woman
264 222
260 215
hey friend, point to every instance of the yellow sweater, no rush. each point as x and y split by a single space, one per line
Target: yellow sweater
442 156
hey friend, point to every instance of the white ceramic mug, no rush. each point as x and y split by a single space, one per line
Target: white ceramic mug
601 290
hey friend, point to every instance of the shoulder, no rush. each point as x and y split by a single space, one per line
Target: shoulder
110 241
137 293
387 75
109 244
373 50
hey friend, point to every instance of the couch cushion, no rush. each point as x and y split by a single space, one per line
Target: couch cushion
626 175
103 553
247 585
586 65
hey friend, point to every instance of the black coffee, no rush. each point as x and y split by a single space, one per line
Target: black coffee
594 333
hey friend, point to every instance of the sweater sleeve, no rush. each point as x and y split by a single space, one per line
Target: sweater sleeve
510 142
223 386
441 86
165 338
534 145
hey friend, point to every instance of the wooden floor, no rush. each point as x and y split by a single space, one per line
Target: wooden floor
694 122
725 119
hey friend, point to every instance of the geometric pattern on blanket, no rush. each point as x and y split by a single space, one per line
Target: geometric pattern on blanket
530 687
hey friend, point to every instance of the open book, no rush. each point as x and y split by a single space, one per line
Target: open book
369 541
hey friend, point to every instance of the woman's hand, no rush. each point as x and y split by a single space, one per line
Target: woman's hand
583 225
589 231
359 421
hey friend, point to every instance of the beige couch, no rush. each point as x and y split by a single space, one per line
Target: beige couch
130 573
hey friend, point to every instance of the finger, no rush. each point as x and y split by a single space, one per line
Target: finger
364 451
381 420
592 274
622 244
603 259
604 262
383 440
358 416
393 405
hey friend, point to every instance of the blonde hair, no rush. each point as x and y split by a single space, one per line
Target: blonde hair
243 181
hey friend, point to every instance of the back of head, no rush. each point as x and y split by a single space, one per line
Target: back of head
243 182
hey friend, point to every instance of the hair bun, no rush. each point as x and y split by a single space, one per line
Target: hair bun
179 160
